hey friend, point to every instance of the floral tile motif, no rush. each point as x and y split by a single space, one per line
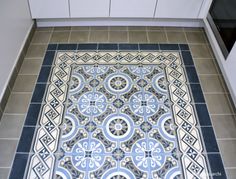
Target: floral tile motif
118 115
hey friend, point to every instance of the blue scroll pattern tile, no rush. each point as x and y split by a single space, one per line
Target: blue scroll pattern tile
117 115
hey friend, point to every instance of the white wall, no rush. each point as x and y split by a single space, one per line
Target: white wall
230 70
15 24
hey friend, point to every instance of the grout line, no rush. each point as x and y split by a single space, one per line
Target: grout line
9 138
167 39
221 139
69 37
230 168
148 40
128 35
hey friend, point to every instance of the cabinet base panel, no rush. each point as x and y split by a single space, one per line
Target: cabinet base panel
119 22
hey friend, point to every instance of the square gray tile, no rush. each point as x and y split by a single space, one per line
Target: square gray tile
11 126
224 126
176 37
218 104
231 173
157 37
211 83
7 152
60 37
4 172
36 51
18 103
138 37
201 51
31 67
79 36
118 36
205 66
98 36
41 37
25 83
228 152
195 37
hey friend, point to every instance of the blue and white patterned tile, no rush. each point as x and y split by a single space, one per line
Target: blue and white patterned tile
118 115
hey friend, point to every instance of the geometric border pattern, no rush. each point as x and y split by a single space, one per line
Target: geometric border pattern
191 148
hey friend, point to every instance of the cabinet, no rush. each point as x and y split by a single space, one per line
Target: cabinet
133 8
178 8
49 9
89 8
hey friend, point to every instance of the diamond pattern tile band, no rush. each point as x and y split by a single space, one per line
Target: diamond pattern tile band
118 114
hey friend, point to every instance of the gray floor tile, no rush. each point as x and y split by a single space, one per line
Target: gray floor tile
218 104
11 126
36 51
7 152
25 83
79 37
80 28
157 37
176 37
118 36
41 37
231 173
44 29
228 152
138 37
98 36
201 51
117 28
4 172
57 29
174 29
205 66
193 29
60 37
224 126
211 84
18 103
155 28
195 37
137 28
103 28
31 66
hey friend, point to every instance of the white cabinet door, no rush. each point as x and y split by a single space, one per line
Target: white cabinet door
178 8
132 8
49 8
89 8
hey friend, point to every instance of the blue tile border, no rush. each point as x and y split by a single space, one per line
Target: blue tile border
217 167
32 115
26 139
19 165
49 56
203 115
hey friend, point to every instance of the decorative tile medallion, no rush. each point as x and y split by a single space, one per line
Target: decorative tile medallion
118 114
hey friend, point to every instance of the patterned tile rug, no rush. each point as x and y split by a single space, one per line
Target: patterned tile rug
118 111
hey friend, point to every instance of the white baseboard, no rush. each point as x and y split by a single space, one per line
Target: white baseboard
120 22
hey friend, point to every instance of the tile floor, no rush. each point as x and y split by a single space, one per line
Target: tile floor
220 108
